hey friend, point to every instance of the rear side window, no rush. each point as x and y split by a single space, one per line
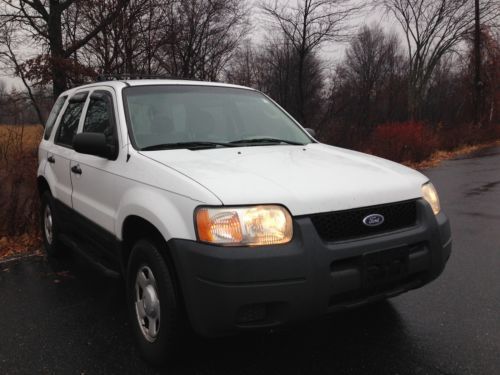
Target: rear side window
54 114
70 120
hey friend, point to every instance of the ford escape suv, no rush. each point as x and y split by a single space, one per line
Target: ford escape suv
220 211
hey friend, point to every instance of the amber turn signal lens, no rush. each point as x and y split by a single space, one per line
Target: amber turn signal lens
250 226
224 225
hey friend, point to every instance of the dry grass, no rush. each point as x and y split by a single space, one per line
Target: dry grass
19 231
439 156
17 142
32 132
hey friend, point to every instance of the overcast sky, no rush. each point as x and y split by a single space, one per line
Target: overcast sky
331 52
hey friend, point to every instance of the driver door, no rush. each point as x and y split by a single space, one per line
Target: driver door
96 180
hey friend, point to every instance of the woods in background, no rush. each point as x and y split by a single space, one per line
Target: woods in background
420 74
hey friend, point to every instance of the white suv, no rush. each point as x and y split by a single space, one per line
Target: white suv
221 211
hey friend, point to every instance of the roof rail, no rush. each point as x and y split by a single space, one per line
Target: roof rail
124 77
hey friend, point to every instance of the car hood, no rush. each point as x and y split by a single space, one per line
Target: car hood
306 179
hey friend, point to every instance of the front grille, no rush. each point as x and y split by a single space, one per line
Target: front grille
342 225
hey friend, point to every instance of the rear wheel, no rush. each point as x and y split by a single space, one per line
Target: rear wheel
153 303
50 229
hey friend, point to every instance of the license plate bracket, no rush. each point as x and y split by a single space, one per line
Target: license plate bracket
384 267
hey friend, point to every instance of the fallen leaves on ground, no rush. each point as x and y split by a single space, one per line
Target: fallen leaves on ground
16 246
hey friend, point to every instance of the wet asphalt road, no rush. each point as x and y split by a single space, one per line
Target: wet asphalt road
63 318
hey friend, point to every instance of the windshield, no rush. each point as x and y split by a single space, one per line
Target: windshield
183 116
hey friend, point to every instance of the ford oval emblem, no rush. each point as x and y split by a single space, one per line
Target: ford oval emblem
373 220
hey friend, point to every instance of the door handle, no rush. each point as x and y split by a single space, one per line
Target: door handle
76 169
51 159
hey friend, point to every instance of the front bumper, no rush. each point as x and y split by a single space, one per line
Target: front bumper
227 289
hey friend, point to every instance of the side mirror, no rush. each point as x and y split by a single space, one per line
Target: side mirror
93 144
311 132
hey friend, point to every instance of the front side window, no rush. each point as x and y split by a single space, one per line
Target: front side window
99 118
70 120
176 115
99 114
54 113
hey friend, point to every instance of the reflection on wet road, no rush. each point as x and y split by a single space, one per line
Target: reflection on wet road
62 318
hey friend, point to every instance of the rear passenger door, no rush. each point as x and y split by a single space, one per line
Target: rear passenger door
60 152
96 182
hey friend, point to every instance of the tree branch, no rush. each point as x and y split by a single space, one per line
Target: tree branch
105 22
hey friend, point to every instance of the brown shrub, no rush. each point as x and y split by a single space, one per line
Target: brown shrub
452 137
415 142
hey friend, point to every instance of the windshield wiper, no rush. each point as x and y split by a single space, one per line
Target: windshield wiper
271 141
201 144
188 145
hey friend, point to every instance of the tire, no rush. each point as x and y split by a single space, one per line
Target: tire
50 226
153 304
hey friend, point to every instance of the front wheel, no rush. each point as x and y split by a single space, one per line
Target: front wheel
153 303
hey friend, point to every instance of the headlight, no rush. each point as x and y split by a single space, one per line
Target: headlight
250 226
430 194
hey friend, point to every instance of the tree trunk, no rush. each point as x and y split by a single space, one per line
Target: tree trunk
414 98
412 104
301 88
57 56
478 102
129 67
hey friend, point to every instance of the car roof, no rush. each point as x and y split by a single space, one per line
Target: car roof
120 84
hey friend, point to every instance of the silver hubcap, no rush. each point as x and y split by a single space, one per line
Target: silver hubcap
47 224
147 303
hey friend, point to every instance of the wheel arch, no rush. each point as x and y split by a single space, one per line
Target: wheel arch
42 185
135 228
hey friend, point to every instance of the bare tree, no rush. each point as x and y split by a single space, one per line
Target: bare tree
128 44
369 61
44 21
280 66
307 26
366 86
432 28
3 90
9 58
485 110
244 68
203 36
271 67
3 97
153 30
